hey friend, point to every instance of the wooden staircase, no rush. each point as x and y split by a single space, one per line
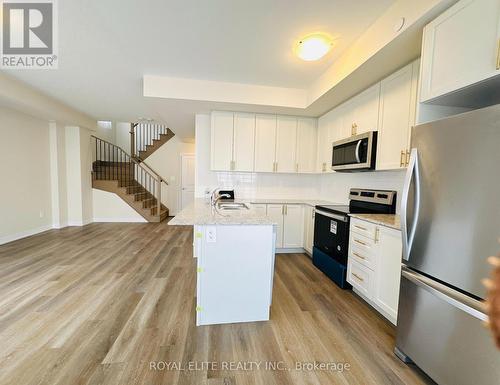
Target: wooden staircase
115 171
147 137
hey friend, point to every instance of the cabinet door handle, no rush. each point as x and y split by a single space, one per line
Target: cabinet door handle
324 167
357 277
498 55
360 242
354 127
401 161
377 233
358 255
296 167
276 167
407 157
361 227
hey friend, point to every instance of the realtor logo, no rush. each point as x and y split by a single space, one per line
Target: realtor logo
29 34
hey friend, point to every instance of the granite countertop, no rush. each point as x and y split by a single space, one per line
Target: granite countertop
388 220
201 213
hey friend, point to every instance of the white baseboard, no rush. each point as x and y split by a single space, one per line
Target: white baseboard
114 220
80 223
23 234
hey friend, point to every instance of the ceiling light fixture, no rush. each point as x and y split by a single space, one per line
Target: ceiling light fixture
314 46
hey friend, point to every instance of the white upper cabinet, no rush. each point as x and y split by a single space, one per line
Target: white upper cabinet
337 130
323 145
232 141
330 129
244 142
306 144
398 94
286 144
265 143
222 141
361 112
460 48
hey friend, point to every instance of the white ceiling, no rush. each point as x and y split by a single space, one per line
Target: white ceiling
106 46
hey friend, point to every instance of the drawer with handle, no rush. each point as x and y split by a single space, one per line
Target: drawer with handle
366 229
363 256
362 243
360 277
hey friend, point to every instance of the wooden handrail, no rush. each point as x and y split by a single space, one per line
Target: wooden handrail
133 159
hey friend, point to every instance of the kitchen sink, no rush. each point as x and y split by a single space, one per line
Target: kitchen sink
232 206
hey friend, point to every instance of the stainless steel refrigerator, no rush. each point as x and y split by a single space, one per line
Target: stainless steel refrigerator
450 215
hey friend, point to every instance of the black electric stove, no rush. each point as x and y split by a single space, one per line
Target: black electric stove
331 229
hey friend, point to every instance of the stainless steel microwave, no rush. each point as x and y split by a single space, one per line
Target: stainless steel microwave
357 153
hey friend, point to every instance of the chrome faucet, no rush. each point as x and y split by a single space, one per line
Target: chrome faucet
215 197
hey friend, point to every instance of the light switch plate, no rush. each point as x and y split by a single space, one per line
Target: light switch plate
211 234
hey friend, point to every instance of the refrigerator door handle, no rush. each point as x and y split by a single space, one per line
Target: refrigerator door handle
461 301
411 173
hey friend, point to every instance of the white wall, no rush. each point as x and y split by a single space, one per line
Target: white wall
122 136
108 207
25 194
58 175
166 161
105 130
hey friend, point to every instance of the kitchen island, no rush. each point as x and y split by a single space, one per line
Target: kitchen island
234 248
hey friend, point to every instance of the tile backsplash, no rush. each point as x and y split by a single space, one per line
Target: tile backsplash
335 186
249 185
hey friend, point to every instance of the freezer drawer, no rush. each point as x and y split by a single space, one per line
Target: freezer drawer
442 332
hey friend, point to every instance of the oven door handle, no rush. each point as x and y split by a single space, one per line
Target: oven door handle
331 215
357 151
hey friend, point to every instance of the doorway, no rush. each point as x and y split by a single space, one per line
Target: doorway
187 180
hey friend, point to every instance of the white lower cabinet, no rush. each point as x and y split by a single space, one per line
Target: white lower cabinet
308 229
293 226
275 212
290 225
386 289
260 208
374 265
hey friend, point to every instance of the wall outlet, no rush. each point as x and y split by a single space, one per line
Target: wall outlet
211 234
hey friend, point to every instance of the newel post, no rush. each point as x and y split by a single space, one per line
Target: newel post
159 198
132 140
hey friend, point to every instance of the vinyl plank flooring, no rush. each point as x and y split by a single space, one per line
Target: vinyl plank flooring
99 304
